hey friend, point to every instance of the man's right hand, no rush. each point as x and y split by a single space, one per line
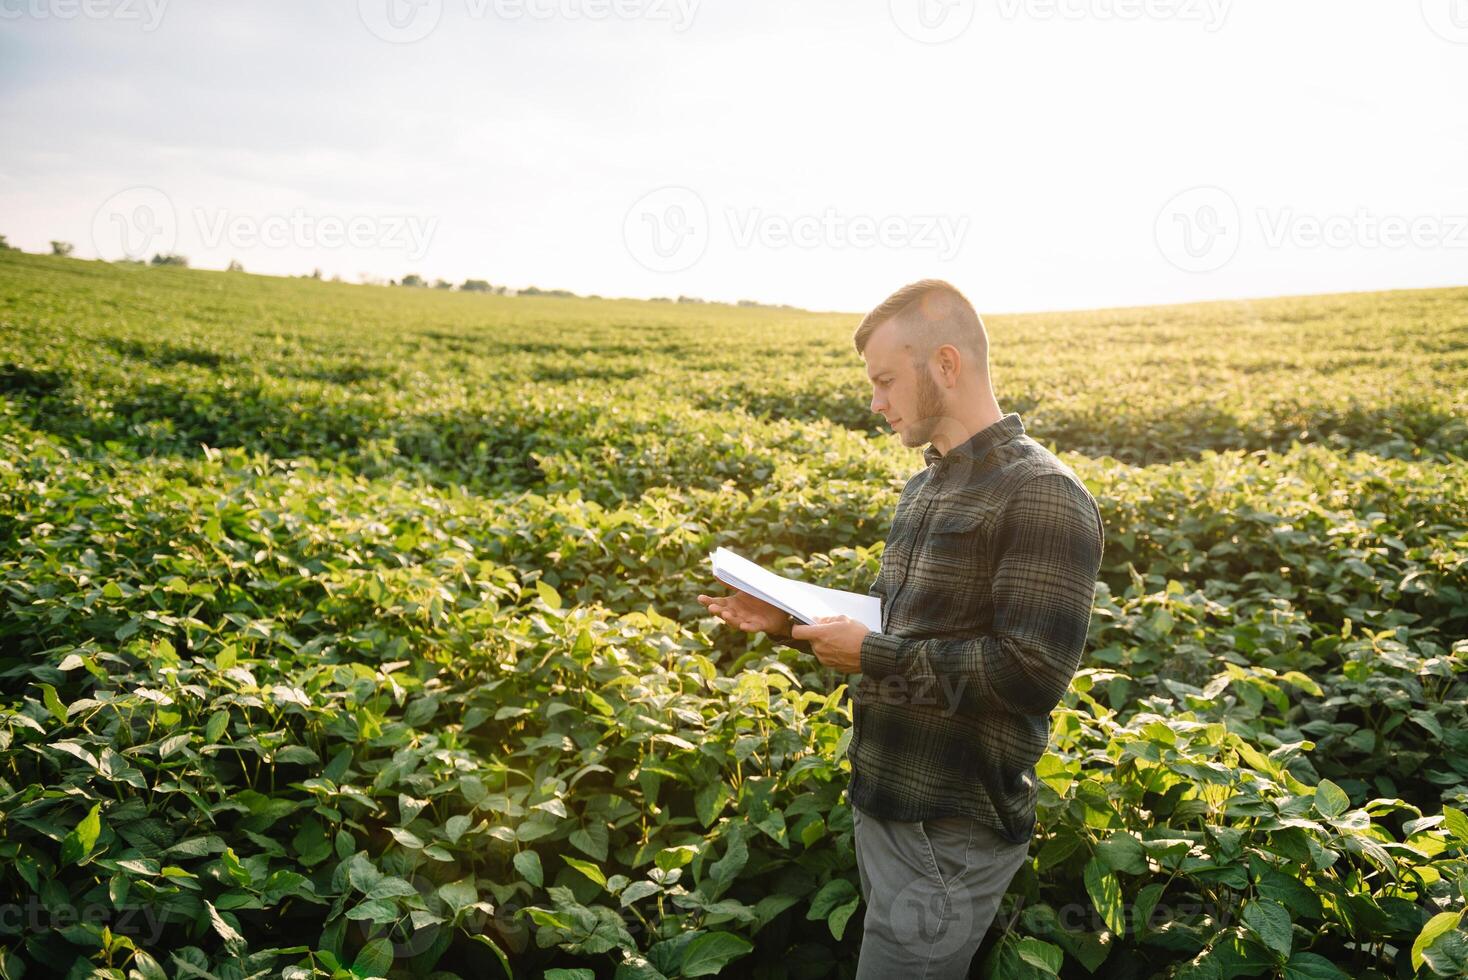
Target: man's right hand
743 611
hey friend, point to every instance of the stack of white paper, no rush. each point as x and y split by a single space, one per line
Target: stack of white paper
804 601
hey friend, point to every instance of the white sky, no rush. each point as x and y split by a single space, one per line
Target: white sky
1035 158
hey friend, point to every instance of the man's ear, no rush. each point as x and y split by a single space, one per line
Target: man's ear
949 362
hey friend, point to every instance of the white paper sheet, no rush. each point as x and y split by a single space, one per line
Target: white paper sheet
804 601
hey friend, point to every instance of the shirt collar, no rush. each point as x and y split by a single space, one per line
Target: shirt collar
979 444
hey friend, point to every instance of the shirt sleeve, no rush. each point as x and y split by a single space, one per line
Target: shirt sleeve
1047 548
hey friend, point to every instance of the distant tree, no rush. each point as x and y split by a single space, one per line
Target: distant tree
443 284
537 291
315 273
501 290
171 259
690 299
413 279
6 246
234 266
475 286
748 302
62 248
660 299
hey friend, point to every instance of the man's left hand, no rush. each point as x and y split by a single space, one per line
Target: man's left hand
835 640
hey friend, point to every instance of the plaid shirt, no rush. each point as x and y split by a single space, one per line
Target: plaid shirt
987 582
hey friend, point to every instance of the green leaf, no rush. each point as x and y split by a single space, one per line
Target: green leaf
53 703
1330 799
1437 927
375 959
834 893
675 857
1271 923
455 827
173 743
549 595
1123 852
1105 892
77 846
1041 955
1456 823
727 868
591 839
840 916
459 895
215 726
233 941
708 954
1312 966
588 869
480 937
528 864
639 890
574 973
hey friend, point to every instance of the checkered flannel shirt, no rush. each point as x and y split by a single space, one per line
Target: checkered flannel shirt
987 582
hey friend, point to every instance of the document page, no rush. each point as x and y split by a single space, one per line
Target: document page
804 601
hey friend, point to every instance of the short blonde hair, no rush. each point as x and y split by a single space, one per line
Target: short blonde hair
931 313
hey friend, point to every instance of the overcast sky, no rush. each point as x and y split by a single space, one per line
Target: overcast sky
1042 154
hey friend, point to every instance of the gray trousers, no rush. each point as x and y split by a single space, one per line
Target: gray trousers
931 889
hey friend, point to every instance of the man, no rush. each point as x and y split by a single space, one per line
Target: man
986 582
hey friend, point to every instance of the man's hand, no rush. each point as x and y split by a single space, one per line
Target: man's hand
835 640
743 611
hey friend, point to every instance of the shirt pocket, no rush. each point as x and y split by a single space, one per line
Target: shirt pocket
955 569
955 542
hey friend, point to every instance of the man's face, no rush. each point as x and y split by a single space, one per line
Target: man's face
905 394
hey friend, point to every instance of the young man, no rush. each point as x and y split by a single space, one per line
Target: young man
986 583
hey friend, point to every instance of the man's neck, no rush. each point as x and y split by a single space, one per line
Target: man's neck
966 425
